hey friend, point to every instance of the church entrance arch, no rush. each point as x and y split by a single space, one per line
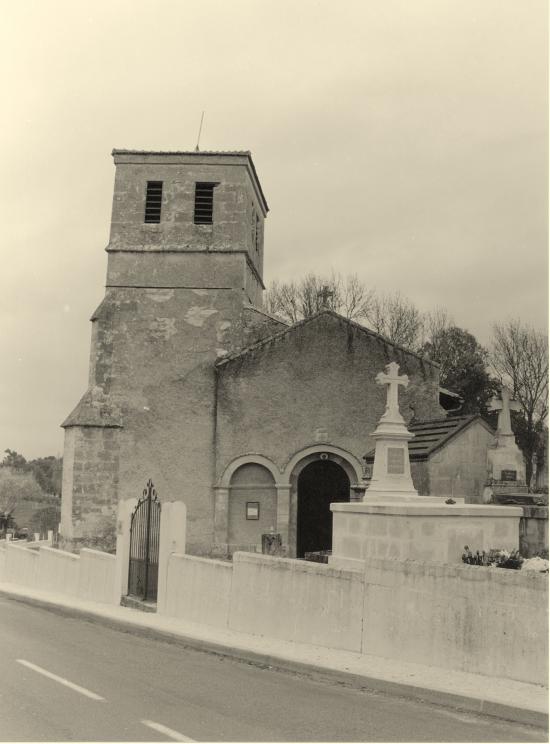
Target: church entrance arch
344 473
320 483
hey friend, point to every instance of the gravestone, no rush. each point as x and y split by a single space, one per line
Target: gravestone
505 463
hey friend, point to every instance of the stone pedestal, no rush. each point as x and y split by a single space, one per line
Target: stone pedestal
505 462
422 530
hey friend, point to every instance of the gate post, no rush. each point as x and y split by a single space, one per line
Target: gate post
173 532
124 517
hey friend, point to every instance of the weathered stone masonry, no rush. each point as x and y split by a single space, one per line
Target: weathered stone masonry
193 385
175 300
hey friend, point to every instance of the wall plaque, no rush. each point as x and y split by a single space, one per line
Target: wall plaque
252 509
508 475
396 461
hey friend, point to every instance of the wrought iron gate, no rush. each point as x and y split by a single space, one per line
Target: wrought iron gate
144 546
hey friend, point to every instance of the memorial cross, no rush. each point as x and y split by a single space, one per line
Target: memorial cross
393 380
324 295
504 406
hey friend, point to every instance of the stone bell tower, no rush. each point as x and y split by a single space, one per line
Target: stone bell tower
185 257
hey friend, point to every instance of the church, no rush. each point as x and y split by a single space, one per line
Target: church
256 425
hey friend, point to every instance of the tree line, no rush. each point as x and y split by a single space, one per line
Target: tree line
37 481
517 355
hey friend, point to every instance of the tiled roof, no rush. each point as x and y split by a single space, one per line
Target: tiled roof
430 435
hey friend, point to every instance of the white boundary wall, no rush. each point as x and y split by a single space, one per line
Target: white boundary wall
96 577
198 590
90 575
469 618
296 601
482 620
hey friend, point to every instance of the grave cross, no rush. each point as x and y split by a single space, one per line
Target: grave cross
393 380
324 295
504 406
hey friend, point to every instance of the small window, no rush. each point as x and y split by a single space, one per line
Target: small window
153 201
258 228
204 203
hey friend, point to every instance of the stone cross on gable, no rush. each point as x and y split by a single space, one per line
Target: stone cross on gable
324 295
504 406
393 380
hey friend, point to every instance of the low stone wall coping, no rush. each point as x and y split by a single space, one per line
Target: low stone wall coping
294 564
60 553
23 548
98 554
433 568
198 559
428 510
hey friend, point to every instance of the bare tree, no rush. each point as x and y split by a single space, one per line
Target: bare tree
519 356
434 324
295 301
396 318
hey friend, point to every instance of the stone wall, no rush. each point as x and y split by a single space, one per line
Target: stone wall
175 302
90 575
198 590
420 475
313 384
533 531
421 531
460 467
155 366
90 487
475 619
296 601
469 618
237 203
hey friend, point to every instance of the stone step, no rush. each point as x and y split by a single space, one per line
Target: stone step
138 604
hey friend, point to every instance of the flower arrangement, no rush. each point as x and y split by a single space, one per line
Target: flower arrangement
500 558
494 557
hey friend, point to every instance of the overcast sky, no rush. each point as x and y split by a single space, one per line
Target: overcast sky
404 140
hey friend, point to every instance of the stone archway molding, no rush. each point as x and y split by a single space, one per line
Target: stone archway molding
308 454
285 481
251 459
348 462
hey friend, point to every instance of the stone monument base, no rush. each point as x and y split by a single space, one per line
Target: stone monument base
419 531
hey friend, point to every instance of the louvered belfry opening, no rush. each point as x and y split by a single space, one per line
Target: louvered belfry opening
153 201
204 203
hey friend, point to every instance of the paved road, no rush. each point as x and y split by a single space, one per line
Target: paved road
67 679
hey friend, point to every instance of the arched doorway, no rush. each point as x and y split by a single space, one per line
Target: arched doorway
319 484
